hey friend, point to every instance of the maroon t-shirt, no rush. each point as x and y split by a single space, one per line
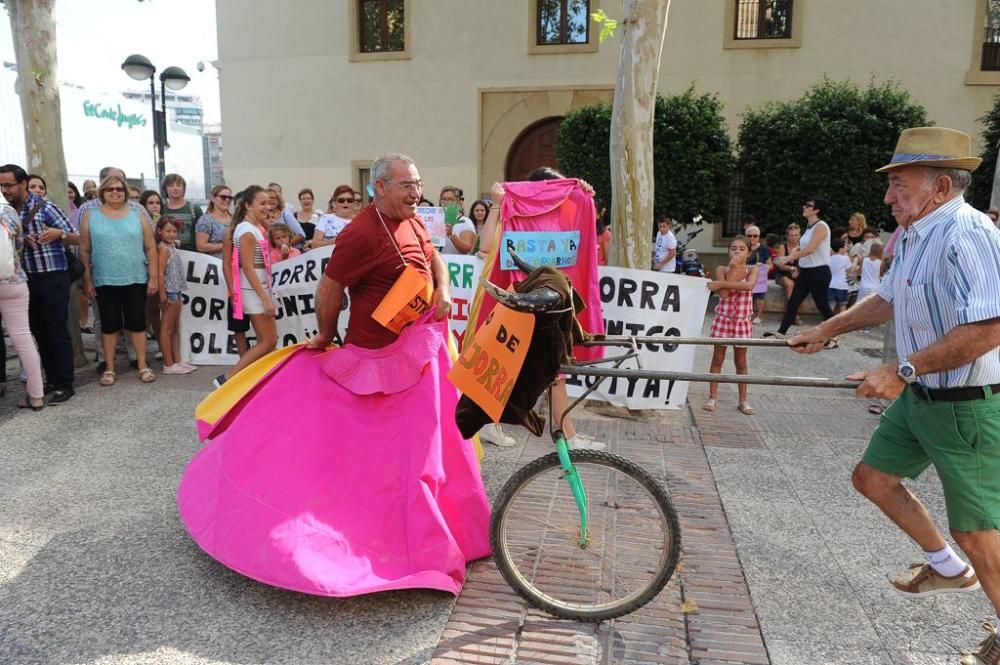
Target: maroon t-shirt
365 260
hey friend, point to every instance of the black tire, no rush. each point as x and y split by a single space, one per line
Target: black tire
547 580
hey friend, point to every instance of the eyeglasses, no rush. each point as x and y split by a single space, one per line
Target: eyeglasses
350 200
410 185
753 235
8 185
358 200
224 197
119 190
808 205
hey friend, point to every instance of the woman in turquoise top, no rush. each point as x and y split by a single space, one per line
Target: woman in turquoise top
119 257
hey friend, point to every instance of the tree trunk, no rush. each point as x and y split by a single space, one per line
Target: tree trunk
34 35
644 28
995 194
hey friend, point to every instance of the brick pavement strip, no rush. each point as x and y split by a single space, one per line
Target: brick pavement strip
491 624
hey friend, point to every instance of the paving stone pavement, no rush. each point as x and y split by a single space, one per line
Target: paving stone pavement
786 564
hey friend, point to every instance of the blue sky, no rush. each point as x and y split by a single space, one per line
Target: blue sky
95 36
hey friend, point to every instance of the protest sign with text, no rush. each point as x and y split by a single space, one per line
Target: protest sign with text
649 304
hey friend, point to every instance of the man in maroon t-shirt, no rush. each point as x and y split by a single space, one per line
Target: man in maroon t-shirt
372 252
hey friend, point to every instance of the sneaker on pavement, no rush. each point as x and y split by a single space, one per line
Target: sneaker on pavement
988 652
584 442
757 321
60 396
189 366
493 433
176 368
922 580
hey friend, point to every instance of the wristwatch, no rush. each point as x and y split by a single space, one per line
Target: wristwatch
63 235
906 371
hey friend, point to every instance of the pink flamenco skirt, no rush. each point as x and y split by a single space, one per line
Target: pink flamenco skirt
339 473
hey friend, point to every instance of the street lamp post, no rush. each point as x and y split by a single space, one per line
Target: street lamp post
139 68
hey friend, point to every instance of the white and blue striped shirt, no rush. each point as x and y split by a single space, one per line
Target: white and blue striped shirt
946 273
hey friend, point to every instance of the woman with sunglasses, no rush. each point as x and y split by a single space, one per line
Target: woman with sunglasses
120 269
329 226
211 227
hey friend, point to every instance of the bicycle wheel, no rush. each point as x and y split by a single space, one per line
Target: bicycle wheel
632 548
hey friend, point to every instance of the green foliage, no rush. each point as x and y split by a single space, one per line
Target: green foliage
982 178
828 143
692 154
608 25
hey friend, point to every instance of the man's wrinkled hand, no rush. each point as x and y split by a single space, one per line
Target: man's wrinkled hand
880 382
441 302
810 340
319 342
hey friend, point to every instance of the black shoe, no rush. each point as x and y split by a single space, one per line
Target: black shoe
86 330
60 396
101 366
49 388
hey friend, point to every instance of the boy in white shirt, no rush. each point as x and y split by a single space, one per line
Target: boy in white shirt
665 249
871 271
840 262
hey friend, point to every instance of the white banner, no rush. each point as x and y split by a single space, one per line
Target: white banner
636 302
206 340
648 304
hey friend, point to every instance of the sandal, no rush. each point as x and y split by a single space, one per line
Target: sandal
108 378
32 403
709 405
146 375
831 343
875 409
745 408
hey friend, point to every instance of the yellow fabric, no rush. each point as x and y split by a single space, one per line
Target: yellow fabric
222 399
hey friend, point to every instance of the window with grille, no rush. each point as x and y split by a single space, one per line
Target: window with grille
563 22
381 26
763 19
991 38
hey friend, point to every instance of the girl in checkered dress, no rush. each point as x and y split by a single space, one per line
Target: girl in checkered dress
733 316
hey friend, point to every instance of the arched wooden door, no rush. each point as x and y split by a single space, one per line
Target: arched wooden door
535 147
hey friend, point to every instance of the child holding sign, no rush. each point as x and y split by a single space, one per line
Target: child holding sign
733 316
582 272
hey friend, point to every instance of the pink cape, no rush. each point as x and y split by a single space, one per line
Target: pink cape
555 205
343 473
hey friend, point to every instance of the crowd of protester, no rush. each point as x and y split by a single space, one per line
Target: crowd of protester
114 251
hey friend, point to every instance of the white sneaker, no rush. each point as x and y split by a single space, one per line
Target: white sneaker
188 366
584 442
175 369
492 433
757 321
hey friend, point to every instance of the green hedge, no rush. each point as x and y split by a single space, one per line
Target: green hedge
829 143
692 154
982 178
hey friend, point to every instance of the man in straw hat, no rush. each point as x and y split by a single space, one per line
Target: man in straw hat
944 292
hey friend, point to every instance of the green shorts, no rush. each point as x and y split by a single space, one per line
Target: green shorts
961 440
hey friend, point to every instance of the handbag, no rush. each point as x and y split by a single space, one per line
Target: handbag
74 265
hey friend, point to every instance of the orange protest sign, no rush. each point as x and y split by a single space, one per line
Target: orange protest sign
405 302
489 366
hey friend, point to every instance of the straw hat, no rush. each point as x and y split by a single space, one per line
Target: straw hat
933 146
